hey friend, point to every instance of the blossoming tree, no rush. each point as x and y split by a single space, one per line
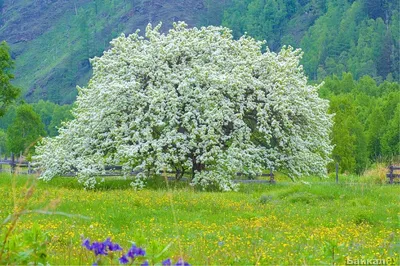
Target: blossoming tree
197 102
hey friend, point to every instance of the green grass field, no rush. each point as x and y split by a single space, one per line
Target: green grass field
287 223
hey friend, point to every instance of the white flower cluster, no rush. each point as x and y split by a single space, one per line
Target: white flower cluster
193 101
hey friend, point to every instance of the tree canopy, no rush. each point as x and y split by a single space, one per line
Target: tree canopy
366 125
8 92
193 100
25 130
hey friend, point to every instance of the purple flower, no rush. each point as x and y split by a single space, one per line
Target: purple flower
140 252
130 254
167 262
99 248
146 263
107 242
181 262
123 260
111 246
134 252
115 247
86 244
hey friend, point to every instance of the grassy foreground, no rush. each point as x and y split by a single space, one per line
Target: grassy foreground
290 223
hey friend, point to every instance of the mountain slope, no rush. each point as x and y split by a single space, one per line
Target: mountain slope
52 40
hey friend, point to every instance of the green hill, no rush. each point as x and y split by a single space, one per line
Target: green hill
52 40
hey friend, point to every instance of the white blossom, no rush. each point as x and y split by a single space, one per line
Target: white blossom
192 100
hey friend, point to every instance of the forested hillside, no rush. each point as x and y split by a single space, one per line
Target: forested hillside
361 37
52 41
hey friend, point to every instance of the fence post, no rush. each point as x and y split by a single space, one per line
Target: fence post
12 162
271 177
337 173
391 174
29 168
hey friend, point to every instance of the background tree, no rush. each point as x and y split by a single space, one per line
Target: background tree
52 115
350 149
8 118
375 8
367 127
8 92
25 130
3 143
45 110
60 114
391 138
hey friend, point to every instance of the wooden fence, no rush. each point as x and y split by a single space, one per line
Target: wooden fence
391 175
116 170
23 167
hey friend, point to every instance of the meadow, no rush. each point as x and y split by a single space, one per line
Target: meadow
308 223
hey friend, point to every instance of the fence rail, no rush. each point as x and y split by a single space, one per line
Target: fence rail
112 170
391 175
16 165
116 170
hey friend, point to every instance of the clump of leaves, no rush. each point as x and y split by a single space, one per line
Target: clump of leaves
264 199
24 248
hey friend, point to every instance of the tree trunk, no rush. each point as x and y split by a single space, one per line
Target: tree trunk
197 166
179 173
